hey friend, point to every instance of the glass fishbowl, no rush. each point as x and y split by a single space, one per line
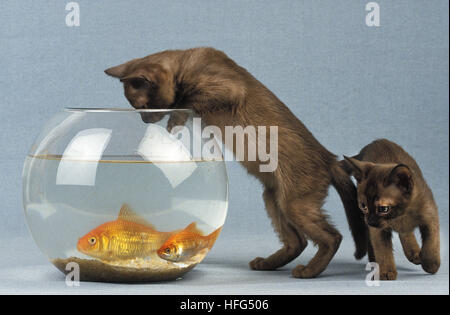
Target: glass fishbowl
127 195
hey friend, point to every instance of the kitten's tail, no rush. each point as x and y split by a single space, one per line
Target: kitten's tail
340 179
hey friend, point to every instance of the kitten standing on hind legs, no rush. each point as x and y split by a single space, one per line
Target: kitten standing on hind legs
394 197
224 94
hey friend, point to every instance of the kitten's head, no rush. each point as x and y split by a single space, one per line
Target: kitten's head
147 85
384 190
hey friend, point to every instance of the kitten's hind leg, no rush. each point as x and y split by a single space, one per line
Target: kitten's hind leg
410 247
307 215
293 242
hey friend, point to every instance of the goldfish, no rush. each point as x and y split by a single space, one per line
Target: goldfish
128 237
186 244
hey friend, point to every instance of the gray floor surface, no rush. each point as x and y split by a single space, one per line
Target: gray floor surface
24 270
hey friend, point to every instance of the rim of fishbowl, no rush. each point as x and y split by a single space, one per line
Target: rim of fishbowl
126 110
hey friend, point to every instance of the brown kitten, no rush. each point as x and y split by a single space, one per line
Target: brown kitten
225 94
394 196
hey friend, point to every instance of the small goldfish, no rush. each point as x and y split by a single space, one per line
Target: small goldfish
128 237
186 244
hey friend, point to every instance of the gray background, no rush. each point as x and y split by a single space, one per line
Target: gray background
349 83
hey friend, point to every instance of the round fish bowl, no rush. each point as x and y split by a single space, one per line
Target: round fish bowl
124 195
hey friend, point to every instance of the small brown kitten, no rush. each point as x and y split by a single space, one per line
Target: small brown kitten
394 196
225 94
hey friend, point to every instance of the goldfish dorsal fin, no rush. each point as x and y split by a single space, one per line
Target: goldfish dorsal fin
193 228
127 214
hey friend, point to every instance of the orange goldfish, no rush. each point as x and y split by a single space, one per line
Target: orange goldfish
186 244
128 237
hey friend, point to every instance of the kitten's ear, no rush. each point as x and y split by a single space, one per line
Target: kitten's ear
358 167
401 176
117 71
121 70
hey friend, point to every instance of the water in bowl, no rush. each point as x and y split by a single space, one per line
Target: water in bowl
65 199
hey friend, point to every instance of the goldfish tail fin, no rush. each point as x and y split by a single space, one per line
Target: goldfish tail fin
212 237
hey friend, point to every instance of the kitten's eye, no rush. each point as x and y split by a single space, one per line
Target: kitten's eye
383 209
136 83
363 207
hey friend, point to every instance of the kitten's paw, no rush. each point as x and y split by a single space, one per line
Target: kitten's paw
303 272
170 125
361 250
414 258
431 266
260 263
360 253
388 275
176 119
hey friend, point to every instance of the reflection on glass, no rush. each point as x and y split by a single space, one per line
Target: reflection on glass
79 162
162 148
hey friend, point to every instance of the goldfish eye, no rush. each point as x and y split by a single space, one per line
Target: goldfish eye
92 241
167 251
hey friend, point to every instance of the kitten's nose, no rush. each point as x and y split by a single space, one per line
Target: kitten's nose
373 222
137 105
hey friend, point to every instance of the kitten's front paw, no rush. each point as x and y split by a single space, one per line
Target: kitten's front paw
170 125
388 275
260 263
360 254
303 272
414 258
177 119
